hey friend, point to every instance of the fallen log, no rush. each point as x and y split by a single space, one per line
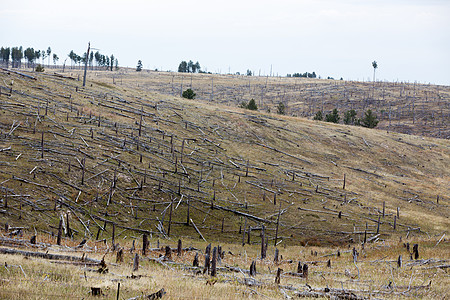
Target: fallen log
18 73
48 255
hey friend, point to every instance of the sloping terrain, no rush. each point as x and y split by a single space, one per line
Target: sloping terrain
145 162
412 108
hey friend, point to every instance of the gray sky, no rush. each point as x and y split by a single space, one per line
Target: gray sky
410 39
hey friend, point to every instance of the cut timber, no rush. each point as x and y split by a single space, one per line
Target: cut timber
18 73
47 255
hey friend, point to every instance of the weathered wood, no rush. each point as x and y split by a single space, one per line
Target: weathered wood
48 255
179 248
278 276
263 243
214 262
195 262
144 244
58 239
136 263
253 268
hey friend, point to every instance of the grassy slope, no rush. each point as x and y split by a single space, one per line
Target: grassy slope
404 171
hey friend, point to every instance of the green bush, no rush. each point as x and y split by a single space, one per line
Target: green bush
318 116
39 68
333 117
369 120
189 94
281 109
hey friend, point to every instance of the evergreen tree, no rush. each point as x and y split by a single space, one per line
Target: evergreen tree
333 117
139 66
111 62
281 109
49 52
350 117
5 55
252 105
183 68
55 58
189 94
369 120
318 116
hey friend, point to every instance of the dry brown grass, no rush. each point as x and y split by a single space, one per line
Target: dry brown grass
407 172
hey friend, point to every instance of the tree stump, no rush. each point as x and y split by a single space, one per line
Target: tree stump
416 251
276 256
299 267
119 256
144 244
195 263
58 239
305 271
168 253
179 248
278 277
253 268
207 264
213 263
136 262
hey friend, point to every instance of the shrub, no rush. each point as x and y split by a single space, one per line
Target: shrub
369 120
318 116
333 117
189 94
252 105
281 109
350 117
39 68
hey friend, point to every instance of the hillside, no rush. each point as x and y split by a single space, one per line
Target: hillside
152 163
412 108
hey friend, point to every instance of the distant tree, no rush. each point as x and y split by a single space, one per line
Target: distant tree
139 66
91 59
249 72
333 117
350 117
369 120
375 66
5 55
281 108
43 55
16 56
318 116
72 57
55 58
190 64
98 58
30 56
49 51
116 64
197 67
183 67
252 105
111 61
189 94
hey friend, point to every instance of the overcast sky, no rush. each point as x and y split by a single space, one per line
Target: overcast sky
410 39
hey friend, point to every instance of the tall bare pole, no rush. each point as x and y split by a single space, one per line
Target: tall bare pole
86 63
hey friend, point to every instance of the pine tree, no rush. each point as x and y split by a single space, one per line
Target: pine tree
252 105
139 66
281 109
318 116
189 94
369 120
333 117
